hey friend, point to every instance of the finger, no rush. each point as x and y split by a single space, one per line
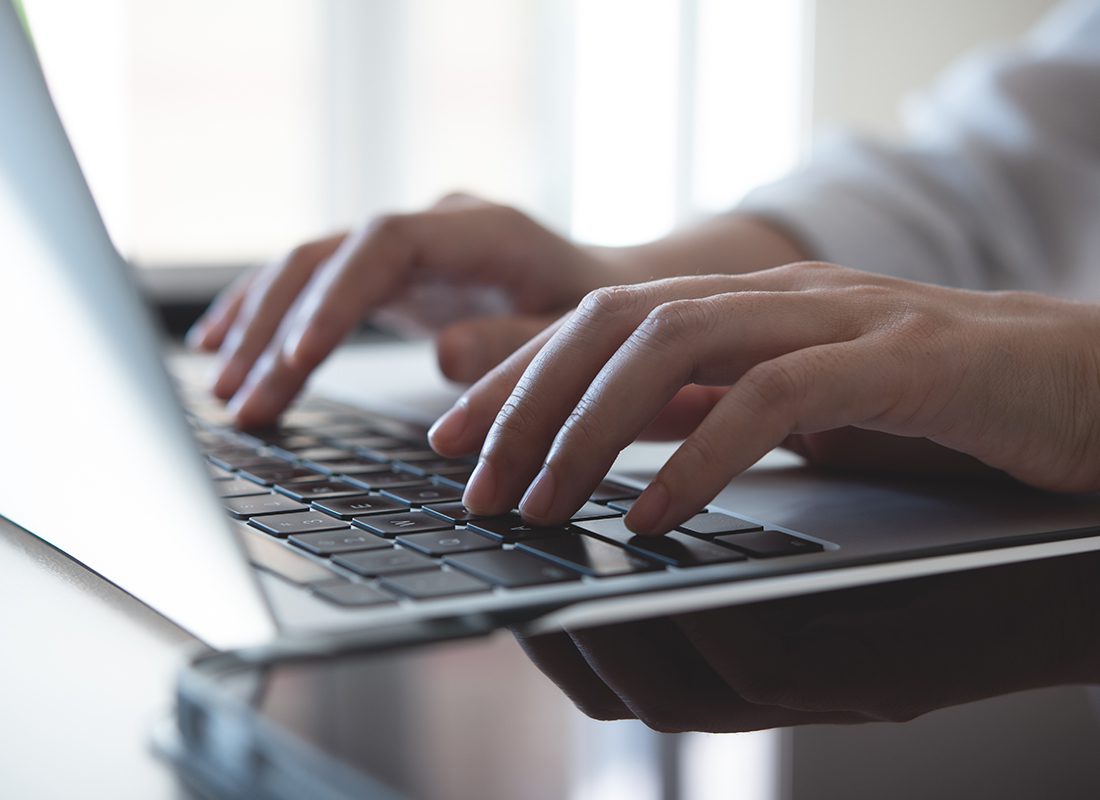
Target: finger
263 310
269 388
209 330
712 340
816 388
469 349
460 431
523 425
557 656
470 243
683 412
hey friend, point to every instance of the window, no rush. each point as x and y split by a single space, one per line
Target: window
222 131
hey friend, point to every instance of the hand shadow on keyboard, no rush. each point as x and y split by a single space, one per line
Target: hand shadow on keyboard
888 652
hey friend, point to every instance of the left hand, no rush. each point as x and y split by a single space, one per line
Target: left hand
1011 379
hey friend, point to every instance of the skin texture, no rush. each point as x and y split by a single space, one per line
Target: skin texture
1009 379
276 324
889 652
677 339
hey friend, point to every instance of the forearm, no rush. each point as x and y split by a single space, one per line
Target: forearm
728 244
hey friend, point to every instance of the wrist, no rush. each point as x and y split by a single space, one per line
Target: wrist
729 244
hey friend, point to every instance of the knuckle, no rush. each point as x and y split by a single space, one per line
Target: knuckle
775 384
669 324
610 300
389 225
516 418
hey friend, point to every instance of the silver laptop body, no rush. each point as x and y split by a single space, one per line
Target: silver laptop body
98 460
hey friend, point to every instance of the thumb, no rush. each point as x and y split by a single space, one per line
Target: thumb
468 349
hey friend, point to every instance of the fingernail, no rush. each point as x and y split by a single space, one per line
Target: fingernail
536 503
645 516
452 424
481 489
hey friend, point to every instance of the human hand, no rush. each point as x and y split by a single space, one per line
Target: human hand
275 325
1010 379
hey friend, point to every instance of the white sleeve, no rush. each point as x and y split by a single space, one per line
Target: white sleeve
997 184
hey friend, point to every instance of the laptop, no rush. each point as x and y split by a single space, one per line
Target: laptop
341 522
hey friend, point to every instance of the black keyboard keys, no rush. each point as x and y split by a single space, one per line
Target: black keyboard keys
443 543
385 562
301 522
769 544
388 480
420 495
675 549
512 528
391 525
256 505
358 506
592 510
589 555
235 487
284 474
715 524
328 543
428 585
511 568
452 512
608 491
318 490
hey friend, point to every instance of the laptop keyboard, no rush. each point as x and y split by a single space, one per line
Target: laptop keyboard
357 508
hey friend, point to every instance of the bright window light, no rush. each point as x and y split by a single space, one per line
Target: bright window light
224 131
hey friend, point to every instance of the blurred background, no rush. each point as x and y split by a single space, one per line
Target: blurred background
218 133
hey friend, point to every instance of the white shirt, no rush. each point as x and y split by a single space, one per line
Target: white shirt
996 186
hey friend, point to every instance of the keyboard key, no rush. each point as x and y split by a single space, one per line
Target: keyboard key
327 543
349 467
256 505
301 522
589 555
714 524
593 511
346 593
218 474
369 442
623 505
456 478
274 558
284 474
358 506
442 543
427 585
251 461
237 488
769 544
321 454
676 549
390 525
608 491
512 528
318 490
452 512
419 495
404 453
388 480
385 562
439 467
510 568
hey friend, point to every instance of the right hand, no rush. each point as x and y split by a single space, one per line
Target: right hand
276 324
